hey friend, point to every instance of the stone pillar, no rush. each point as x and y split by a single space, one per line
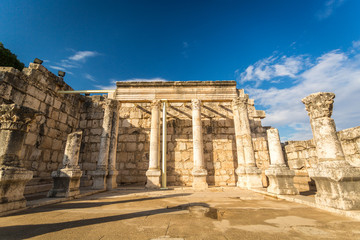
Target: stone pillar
253 173
153 173
281 178
199 172
337 182
67 179
240 170
14 122
113 173
101 172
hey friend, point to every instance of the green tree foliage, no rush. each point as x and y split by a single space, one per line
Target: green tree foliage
8 59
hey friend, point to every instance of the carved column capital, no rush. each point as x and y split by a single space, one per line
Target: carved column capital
155 104
319 104
196 104
15 117
240 103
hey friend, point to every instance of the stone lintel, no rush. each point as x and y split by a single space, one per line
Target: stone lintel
176 91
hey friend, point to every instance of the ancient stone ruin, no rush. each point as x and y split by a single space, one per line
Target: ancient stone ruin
197 134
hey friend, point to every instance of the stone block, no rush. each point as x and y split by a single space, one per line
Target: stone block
30 138
31 102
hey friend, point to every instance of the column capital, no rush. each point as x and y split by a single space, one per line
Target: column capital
196 104
15 117
155 103
240 102
319 104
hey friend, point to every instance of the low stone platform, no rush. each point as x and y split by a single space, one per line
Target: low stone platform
180 213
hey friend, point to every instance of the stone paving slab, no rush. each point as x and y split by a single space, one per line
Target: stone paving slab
217 213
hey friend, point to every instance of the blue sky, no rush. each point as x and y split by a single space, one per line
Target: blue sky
279 51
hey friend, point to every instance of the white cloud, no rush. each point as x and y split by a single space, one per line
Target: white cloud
336 71
272 67
89 77
82 55
329 8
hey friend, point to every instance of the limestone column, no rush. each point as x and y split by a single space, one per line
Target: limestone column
113 173
66 181
337 182
240 170
153 173
281 178
101 172
199 172
253 173
14 122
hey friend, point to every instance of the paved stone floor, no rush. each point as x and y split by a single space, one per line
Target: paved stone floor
218 213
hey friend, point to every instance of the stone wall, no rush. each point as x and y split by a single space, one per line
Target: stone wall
91 118
350 142
218 135
35 87
301 155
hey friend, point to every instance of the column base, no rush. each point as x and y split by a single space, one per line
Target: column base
153 179
66 182
253 177
12 185
111 179
281 180
99 179
199 179
241 173
337 184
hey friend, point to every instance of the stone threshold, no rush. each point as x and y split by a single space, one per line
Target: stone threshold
48 201
310 201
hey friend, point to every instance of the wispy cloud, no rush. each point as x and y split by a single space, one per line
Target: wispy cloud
83 55
329 8
112 82
335 71
60 69
75 61
89 77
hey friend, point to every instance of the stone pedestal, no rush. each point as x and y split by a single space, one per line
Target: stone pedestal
337 182
249 175
199 172
281 178
153 179
14 122
153 173
66 182
67 179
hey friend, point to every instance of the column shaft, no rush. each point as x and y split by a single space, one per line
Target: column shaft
199 172
99 176
153 173
113 173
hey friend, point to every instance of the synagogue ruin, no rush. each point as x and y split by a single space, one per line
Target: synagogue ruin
197 134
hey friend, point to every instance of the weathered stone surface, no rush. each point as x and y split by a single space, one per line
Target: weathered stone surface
337 182
280 176
67 179
199 172
14 123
